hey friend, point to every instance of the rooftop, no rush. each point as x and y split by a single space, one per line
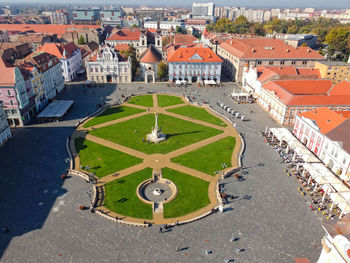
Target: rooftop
335 63
151 55
308 92
193 54
263 48
324 118
40 28
125 34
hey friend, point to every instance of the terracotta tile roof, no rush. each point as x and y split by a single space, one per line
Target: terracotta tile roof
58 49
341 134
124 34
189 54
266 73
342 88
184 39
41 28
122 47
151 55
306 92
345 114
7 76
309 71
324 118
305 87
262 48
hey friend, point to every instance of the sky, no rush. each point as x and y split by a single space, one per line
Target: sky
249 3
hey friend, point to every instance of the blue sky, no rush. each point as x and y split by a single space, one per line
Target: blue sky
249 3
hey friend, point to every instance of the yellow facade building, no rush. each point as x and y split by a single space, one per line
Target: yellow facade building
336 71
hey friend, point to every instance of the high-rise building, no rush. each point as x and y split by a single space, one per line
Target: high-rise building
59 17
203 10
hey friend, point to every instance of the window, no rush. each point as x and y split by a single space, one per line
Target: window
9 93
293 62
282 62
304 62
11 102
258 62
270 62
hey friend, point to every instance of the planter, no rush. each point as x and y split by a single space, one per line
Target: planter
81 207
63 176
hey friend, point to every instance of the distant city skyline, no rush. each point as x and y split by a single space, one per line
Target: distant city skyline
317 4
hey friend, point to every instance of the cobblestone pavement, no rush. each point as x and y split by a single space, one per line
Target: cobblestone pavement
270 217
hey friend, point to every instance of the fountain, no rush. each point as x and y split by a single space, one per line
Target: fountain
157 191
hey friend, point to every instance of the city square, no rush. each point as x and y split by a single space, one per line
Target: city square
268 216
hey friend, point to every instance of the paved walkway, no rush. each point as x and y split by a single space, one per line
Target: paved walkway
158 161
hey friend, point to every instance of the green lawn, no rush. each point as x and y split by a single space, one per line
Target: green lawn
167 100
112 114
180 133
144 100
103 160
209 158
192 194
198 114
120 195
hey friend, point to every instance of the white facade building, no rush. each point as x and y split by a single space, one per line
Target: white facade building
322 132
108 66
69 55
194 64
336 242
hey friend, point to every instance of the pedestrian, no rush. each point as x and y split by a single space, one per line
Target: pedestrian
177 248
160 230
37 139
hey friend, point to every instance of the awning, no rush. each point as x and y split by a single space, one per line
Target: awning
56 109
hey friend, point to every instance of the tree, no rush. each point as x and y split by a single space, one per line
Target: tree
162 70
337 40
166 41
180 30
131 52
81 40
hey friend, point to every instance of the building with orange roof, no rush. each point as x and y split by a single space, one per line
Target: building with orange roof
107 65
263 52
184 39
283 99
139 39
325 133
49 66
16 94
47 29
193 64
69 55
253 78
149 62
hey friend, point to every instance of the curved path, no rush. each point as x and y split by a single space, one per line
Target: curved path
158 161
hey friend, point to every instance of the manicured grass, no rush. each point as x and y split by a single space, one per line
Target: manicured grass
144 100
198 114
167 100
208 159
120 195
192 194
103 160
180 133
112 114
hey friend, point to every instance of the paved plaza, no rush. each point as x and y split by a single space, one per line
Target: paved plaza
269 216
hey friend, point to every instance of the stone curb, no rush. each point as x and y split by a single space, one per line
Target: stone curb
120 221
242 140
